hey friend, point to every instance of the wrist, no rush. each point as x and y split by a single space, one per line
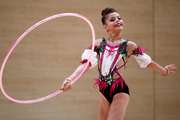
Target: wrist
166 72
67 79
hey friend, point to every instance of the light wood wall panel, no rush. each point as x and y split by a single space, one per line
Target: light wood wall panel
167 42
137 16
47 55
51 52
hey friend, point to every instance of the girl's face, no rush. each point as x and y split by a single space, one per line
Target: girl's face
113 22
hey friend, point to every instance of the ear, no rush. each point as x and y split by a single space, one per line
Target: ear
105 27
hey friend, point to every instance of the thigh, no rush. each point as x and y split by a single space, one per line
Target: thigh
118 106
103 107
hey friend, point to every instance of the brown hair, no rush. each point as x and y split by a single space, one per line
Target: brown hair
105 12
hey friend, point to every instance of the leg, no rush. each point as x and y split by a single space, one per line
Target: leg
118 106
103 107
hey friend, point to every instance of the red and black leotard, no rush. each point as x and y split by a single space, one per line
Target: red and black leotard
111 61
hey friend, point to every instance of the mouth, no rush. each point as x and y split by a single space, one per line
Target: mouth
118 24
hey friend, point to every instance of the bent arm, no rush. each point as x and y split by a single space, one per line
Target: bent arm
77 71
66 84
85 56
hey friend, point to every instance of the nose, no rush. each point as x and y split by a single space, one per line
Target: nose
117 20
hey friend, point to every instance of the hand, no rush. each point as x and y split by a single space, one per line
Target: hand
170 69
66 85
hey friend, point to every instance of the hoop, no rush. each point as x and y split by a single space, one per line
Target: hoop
24 34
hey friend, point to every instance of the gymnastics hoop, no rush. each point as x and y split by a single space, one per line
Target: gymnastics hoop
24 34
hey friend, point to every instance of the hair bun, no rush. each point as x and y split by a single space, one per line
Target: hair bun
105 12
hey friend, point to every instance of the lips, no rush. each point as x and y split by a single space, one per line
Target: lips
118 25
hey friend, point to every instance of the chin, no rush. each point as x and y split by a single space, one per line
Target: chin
119 29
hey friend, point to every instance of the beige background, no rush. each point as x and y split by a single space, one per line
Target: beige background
40 62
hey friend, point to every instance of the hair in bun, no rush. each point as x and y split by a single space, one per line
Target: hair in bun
105 12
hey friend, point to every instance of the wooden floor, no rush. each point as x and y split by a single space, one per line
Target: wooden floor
51 52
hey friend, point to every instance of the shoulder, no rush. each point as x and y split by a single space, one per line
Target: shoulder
97 42
131 45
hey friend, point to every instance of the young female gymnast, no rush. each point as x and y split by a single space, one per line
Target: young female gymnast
111 55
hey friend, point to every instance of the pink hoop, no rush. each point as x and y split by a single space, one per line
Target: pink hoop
24 34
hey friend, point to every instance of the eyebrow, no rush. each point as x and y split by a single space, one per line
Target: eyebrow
115 17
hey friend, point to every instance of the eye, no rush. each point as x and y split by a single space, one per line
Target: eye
111 20
119 18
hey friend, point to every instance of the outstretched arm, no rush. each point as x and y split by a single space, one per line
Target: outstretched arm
77 71
66 86
169 69
85 56
145 61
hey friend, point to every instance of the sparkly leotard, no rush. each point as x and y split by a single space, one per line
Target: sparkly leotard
109 57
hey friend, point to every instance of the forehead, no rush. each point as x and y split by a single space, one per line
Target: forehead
114 14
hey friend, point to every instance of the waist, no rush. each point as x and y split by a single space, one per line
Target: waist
109 80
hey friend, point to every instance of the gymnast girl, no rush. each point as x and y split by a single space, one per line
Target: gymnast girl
111 56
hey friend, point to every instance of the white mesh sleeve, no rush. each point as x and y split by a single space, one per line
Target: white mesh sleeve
94 60
143 60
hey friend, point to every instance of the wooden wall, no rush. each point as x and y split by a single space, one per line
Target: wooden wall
167 33
40 62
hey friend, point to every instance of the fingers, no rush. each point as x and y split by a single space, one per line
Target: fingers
61 88
171 68
66 86
172 72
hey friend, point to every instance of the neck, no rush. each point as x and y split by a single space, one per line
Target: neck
114 36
